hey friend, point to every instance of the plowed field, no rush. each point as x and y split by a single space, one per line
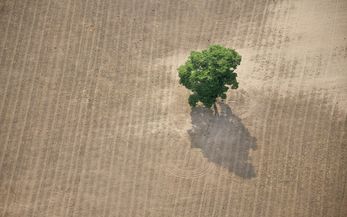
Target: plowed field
93 122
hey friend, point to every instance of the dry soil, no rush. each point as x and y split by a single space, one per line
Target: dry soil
94 123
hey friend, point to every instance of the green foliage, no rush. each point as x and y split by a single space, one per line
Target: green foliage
209 74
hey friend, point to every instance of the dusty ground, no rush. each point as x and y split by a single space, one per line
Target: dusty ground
94 123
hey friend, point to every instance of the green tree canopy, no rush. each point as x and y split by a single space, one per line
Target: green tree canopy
209 74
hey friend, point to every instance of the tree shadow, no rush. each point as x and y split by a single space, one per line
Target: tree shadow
223 139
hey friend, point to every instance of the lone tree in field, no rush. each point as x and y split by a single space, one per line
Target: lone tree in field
209 74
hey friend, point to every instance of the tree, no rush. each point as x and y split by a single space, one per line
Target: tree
209 74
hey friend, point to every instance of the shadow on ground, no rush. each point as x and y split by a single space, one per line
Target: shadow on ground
223 139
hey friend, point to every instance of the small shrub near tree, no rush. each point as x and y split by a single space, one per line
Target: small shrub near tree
209 74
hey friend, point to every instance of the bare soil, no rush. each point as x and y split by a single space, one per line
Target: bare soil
93 121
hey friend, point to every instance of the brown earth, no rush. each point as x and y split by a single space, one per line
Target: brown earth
94 123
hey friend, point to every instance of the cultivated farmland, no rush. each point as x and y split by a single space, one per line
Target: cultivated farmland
94 123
